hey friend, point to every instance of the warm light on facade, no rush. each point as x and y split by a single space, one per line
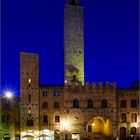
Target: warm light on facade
65 125
93 124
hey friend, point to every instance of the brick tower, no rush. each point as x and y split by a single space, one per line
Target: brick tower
74 42
29 94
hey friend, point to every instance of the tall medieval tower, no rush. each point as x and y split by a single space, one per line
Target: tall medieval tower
29 94
74 42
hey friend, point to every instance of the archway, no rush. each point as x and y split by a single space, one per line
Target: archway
56 134
99 128
122 133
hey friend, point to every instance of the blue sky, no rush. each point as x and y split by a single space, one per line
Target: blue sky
111 40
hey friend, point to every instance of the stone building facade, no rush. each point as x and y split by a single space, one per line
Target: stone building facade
75 110
9 119
128 111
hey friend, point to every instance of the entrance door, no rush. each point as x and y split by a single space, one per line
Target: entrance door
122 133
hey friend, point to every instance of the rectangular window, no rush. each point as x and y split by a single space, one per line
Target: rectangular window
44 93
123 103
134 103
134 117
57 119
56 93
29 98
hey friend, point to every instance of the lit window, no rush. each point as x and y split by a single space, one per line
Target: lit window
57 119
133 117
123 117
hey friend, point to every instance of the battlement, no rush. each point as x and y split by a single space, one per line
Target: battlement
99 87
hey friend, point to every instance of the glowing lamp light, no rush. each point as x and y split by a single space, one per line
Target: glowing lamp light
8 94
29 80
93 124
65 125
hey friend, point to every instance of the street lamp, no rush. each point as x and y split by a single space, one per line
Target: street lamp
9 94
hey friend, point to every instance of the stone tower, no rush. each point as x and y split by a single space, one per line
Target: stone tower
29 94
74 42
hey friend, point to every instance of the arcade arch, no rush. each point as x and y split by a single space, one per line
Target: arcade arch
99 127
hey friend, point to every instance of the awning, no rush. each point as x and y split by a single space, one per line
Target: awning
6 136
44 135
28 136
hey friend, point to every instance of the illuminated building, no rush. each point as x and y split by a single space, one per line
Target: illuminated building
75 110
9 119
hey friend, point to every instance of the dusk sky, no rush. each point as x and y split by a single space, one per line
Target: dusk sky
111 40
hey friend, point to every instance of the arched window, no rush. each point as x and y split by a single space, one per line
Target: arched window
133 117
75 103
45 105
89 128
30 123
123 117
57 119
90 104
56 105
133 131
104 103
45 119
123 103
